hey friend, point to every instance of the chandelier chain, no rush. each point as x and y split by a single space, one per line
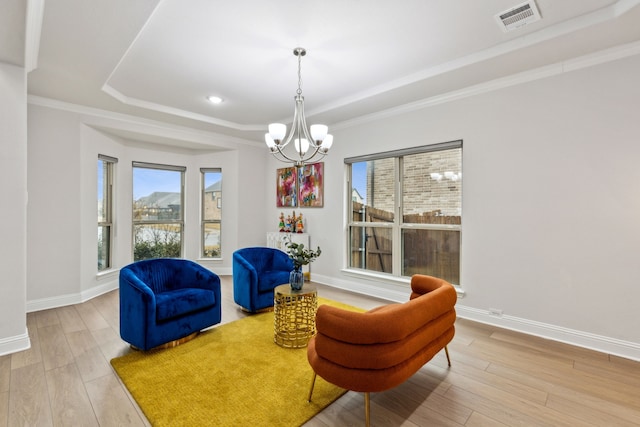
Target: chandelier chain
299 91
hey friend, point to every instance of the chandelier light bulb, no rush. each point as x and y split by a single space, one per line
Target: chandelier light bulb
327 143
270 142
319 132
277 131
302 146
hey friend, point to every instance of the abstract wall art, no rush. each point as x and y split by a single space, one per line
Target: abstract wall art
286 188
311 185
300 187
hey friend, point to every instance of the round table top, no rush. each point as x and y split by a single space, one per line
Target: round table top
286 290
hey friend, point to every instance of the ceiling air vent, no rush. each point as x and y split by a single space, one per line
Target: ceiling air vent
518 16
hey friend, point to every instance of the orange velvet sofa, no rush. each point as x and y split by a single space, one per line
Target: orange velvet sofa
381 348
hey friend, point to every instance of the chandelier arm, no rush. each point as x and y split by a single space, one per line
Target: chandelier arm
297 162
284 158
316 152
296 118
305 129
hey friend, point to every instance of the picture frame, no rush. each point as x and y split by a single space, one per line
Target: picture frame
286 187
311 185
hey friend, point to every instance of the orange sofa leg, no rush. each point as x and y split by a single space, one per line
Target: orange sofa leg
313 383
367 409
446 351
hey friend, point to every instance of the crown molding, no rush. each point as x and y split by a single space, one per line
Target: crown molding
599 16
105 119
574 64
177 111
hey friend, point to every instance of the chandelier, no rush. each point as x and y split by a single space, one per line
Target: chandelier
309 143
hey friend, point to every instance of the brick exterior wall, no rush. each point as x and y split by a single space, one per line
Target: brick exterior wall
422 193
211 210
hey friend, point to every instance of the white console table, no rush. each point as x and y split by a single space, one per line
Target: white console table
278 240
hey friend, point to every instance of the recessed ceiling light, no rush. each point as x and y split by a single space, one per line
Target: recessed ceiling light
214 99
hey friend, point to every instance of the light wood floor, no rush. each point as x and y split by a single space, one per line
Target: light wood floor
498 378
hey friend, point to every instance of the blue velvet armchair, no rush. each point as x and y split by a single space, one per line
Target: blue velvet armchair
166 299
256 271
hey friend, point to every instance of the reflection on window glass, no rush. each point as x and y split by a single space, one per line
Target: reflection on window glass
432 187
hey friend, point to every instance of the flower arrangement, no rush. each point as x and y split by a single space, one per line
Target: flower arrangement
299 255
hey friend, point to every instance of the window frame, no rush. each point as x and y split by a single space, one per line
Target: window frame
397 226
180 221
203 221
108 208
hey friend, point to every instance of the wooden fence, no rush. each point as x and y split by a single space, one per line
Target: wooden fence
432 252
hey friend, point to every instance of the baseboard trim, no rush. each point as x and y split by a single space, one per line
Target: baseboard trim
396 292
15 344
399 293
70 299
111 282
390 292
603 344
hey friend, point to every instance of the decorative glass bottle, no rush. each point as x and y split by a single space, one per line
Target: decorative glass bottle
296 279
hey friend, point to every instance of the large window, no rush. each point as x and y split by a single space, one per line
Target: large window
211 212
405 211
158 214
106 167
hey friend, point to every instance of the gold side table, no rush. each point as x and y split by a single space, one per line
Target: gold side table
294 314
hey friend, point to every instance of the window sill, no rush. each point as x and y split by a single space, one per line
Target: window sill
216 260
389 279
107 274
378 277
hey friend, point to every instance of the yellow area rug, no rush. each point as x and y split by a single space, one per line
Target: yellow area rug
230 375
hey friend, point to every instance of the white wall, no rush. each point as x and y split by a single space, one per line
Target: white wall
13 193
64 144
53 235
551 203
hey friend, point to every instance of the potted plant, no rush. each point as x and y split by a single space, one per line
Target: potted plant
300 256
